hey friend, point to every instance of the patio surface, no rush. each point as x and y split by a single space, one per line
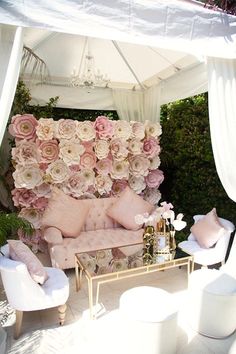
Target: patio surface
42 335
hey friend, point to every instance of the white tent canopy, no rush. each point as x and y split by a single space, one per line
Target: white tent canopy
156 47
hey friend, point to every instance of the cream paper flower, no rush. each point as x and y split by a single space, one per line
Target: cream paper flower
32 215
65 129
135 146
103 257
70 152
103 184
119 149
28 176
123 129
86 131
139 165
137 184
152 129
89 176
120 169
138 130
101 149
154 162
58 171
45 129
25 152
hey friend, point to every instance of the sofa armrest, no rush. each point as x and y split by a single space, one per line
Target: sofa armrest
52 235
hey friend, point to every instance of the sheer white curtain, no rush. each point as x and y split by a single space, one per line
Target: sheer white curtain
222 113
138 105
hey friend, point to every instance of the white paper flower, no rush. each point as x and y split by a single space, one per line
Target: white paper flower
120 169
28 176
119 149
45 129
119 264
152 195
123 130
25 152
58 171
70 152
137 184
135 146
32 215
103 257
101 149
139 165
65 129
75 185
89 176
153 129
86 131
179 224
88 261
154 162
103 184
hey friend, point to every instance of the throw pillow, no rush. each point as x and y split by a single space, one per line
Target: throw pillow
65 213
18 251
208 230
126 207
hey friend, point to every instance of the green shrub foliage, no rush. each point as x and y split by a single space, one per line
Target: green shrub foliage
191 181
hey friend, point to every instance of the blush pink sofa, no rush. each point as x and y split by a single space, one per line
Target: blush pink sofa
99 231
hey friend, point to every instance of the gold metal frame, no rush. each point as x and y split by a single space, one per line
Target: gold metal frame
127 273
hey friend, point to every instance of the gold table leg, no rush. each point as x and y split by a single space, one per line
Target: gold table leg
90 290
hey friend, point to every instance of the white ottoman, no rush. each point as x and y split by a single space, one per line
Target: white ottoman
211 303
149 321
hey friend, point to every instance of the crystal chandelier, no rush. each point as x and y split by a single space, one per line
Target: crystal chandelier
88 76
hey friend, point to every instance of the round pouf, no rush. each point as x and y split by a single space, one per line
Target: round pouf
211 303
149 321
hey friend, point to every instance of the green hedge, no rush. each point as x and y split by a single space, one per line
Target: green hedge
191 181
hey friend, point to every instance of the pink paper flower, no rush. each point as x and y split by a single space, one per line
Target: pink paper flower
23 126
104 166
45 129
138 130
49 150
151 147
23 197
44 190
119 149
139 165
118 186
40 203
65 129
88 160
25 152
154 178
104 127
75 185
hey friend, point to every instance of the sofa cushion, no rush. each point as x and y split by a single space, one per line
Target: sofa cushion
52 235
18 251
65 213
126 207
208 230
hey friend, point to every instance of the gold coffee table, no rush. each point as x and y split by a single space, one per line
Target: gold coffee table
109 265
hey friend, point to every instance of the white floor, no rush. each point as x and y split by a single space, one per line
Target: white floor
42 335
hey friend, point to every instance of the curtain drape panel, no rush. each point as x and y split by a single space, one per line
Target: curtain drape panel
222 114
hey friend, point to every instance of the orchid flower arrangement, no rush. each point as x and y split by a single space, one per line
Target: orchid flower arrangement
164 211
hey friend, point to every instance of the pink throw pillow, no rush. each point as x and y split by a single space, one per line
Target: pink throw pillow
126 207
65 213
208 230
18 251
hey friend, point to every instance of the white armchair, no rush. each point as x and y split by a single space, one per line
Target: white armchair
212 255
24 294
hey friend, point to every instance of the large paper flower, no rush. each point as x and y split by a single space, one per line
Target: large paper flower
43 190
65 129
104 127
45 129
118 186
32 215
101 149
89 176
58 171
28 176
49 150
151 147
119 149
152 195
152 129
86 131
23 197
75 185
40 203
138 130
154 178
88 160
135 146
137 184
120 169
23 126
104 166
123 129
103 184
70 152
25 152
139 165
154 162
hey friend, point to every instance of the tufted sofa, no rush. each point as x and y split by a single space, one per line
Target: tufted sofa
99 232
